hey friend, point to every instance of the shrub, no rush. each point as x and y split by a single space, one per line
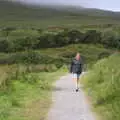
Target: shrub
103 85
41 68
104 55
92 36
75 36
10 72
111 39
31 57
23 44
20 39
18 33
4 45
6 31
46 40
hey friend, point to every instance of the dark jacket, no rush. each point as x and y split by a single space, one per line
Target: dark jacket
76 66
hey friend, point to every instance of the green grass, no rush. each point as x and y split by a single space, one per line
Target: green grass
102 85
26 99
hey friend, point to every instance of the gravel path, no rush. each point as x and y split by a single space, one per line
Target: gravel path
67 104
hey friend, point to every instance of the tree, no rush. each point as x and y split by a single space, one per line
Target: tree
3 45
21 44
92 36
110 39
75 36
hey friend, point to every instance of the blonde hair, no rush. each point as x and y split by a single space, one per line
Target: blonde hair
77 56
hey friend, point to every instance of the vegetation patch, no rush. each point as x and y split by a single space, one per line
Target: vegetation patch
102 85
28 96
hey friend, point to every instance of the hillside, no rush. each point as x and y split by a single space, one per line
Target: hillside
44 16
32 57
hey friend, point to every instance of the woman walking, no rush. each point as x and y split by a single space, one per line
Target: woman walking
76 69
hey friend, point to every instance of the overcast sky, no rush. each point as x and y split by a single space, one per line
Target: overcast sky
113 5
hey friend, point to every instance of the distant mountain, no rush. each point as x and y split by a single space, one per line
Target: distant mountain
88 11
11 6
10 11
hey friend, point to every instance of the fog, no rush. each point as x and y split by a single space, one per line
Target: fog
113 5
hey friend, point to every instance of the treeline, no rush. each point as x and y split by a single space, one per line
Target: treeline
13 39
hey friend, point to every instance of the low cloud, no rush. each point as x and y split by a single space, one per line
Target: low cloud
102 4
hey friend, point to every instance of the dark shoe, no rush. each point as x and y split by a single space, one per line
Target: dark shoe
77 90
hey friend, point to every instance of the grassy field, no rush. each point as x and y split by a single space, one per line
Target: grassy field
102 85
26 99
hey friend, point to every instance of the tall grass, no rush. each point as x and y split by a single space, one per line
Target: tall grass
103 85
10 72
26 95
7 72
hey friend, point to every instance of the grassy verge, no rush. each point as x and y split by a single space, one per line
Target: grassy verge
28 98
102 85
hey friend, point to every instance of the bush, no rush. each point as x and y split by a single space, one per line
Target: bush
104 55
75 36
18 33
27 57
14 40
31 57
111 39
10 72
92 36
41 68
6 31
4 45
46 40
23 44
102 84
20 72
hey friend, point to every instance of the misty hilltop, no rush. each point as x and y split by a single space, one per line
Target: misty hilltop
14 11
